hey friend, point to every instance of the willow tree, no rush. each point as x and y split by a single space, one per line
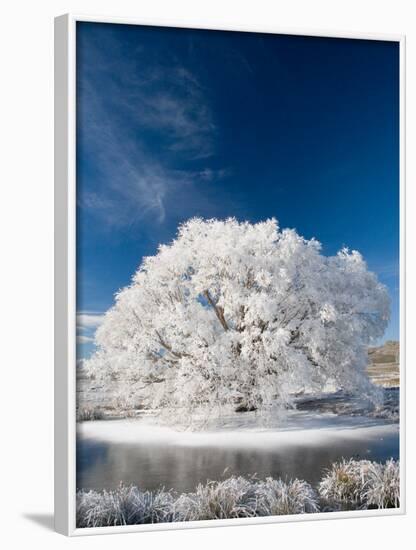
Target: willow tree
241 315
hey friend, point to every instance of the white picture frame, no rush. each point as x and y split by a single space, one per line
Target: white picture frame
65 276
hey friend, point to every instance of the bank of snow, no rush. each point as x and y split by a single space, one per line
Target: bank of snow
240 430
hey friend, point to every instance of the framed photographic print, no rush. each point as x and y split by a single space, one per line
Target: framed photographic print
229 262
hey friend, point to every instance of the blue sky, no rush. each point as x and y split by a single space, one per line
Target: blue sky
174 123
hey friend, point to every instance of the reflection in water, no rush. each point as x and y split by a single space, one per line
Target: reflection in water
103 465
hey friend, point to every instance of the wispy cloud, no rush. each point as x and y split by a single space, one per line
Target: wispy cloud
81 339
89 320
175 104
135 125
87 323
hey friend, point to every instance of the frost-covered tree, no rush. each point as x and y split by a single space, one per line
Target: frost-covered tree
241 314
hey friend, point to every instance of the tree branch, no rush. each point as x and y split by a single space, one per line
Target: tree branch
168 348
219 312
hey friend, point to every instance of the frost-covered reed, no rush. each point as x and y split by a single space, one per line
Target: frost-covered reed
382 489
279 498
357 484
123 506
238 497
235 497
362 483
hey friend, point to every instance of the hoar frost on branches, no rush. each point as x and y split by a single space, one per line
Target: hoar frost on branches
241 314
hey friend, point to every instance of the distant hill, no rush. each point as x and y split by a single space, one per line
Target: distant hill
383 368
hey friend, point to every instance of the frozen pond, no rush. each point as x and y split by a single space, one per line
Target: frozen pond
142 453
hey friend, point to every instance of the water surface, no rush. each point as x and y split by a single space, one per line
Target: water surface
139 453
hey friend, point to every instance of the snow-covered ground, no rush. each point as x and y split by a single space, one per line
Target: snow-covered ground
241 430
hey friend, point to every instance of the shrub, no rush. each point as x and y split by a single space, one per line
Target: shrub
150 507
232 498
123 506
343 481
102 509
382 489
89 413
279 498
362 483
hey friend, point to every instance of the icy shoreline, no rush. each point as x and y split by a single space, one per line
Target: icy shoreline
299 427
